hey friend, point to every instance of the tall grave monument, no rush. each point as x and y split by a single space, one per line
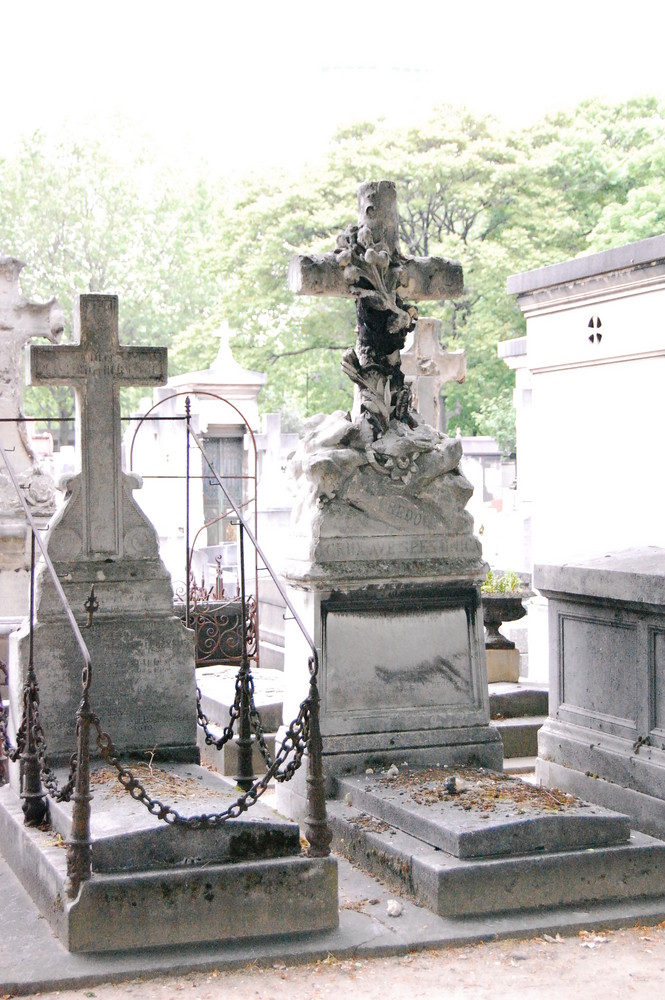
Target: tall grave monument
157 864
383 563
101 538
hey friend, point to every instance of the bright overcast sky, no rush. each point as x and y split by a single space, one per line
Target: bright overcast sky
254 82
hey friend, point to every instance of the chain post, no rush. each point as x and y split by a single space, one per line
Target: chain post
35 808
245 776
317 832
79 849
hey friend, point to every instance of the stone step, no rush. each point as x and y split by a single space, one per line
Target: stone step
519 765
519 736
464 887
271 654
509 701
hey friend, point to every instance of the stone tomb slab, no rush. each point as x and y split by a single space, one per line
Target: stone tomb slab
473 887
127 837
184 887
487 814
605 737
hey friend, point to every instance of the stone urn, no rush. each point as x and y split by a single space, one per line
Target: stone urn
499 608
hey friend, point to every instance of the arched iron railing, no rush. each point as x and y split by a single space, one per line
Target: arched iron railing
302 736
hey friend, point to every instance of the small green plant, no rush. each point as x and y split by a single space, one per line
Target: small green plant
509 583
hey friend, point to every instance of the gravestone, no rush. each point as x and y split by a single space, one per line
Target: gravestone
428 366
159 858
20 322
605 735
383 566
144 688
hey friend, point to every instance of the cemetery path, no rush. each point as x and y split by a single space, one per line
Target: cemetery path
623 963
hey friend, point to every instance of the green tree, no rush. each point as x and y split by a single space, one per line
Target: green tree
87 220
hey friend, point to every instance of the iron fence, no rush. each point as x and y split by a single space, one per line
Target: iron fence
38 781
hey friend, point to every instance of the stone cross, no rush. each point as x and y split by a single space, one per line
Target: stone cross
427 366
368 266
97 366
421 277
20 322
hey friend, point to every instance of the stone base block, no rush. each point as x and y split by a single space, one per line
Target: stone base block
465 887
469 843
502 665
143 684
225 761
192 902
218 689
606 769
490 817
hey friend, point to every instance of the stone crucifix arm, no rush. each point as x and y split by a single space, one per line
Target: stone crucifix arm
431 278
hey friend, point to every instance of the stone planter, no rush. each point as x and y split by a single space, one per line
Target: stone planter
499 608
503 660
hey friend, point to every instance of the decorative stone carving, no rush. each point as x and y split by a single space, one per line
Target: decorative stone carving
379 473
20 322
368 265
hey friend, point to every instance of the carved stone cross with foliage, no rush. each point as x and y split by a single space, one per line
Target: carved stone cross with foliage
368 266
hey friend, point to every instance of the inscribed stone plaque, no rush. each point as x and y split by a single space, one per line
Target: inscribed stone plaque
378 666
598 672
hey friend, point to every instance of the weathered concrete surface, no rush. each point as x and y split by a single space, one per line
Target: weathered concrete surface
488 815
195 902
605 737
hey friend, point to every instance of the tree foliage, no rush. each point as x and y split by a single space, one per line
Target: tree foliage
84 220
183 257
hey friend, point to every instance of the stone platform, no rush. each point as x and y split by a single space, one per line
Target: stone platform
218 687
467 843
156 884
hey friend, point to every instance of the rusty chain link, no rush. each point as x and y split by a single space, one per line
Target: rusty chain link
60 794
293 745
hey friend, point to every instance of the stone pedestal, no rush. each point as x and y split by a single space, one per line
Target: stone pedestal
385 574
502 665
605 738
143 686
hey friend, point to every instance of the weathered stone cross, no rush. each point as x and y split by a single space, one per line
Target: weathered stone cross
97 366
368 266
428 366
420 278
